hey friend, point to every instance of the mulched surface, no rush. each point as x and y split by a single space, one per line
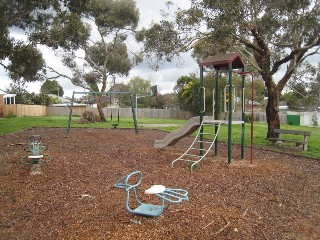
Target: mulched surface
73 196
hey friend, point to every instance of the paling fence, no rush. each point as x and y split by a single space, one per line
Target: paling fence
21 110
304 118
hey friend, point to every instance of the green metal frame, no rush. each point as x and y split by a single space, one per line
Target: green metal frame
216 109
166 197
131 97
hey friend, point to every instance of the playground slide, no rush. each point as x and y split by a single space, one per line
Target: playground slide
172 138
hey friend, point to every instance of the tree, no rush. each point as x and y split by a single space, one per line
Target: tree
303 88
55 23
315 85
168 101
142 87
270 35
187 89
51 87
105 55
123 99
24 97
139 85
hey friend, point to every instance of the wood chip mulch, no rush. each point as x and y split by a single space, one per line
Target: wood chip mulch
73 196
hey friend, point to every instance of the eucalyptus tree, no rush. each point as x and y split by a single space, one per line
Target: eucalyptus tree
303 89
51 87
273 36
106 54
24 25
140 86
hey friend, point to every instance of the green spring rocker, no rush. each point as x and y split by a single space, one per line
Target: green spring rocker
35 147
166 195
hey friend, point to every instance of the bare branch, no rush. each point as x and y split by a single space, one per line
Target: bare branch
58 73
294 52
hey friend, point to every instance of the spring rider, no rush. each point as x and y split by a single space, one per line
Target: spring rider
35 147
166 195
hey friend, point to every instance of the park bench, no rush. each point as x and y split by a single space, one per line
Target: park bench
281 132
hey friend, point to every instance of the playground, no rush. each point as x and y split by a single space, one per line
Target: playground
73 196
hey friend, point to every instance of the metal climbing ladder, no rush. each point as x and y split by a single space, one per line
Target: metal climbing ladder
202 143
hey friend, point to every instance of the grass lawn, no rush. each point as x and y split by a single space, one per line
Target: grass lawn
9 125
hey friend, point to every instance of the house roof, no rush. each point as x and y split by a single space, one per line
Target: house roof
222 61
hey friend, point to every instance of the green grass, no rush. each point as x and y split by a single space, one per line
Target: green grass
14 124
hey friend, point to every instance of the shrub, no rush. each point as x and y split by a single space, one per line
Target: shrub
247 118
89 117
314 120
11 115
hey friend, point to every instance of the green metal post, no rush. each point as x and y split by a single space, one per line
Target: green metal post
243 114
134 116
230 113
70 113
216 109
202 110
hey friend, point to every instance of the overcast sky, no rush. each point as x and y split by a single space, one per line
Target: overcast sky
165 77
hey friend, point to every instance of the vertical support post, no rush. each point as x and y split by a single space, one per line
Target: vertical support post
230 113
216 109
134 116
243 114
201 109
70 112
252 119
137 107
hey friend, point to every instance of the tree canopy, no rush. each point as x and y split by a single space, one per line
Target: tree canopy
303 88
105 54
55 23
51 87
270 35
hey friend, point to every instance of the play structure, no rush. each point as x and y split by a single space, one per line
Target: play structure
104 93
166 196
36 148
231 99
202 143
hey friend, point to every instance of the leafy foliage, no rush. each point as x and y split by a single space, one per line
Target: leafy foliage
53 23
269 34
51 87
304 88
105 55
24 97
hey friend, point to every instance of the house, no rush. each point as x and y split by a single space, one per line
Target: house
283 106
6 99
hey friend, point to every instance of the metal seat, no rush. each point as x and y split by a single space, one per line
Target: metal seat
167 195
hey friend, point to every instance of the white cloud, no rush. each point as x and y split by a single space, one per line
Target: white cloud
165 77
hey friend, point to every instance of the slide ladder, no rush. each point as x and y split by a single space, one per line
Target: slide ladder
202 143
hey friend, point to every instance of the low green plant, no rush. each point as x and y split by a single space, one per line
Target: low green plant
247 118
314 120
11 115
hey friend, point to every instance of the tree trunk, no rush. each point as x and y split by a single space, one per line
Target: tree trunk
272 109
99 106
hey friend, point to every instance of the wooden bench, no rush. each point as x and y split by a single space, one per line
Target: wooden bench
280 140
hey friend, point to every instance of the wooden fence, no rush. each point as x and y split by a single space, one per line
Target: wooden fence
123 112
306 118
21 110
